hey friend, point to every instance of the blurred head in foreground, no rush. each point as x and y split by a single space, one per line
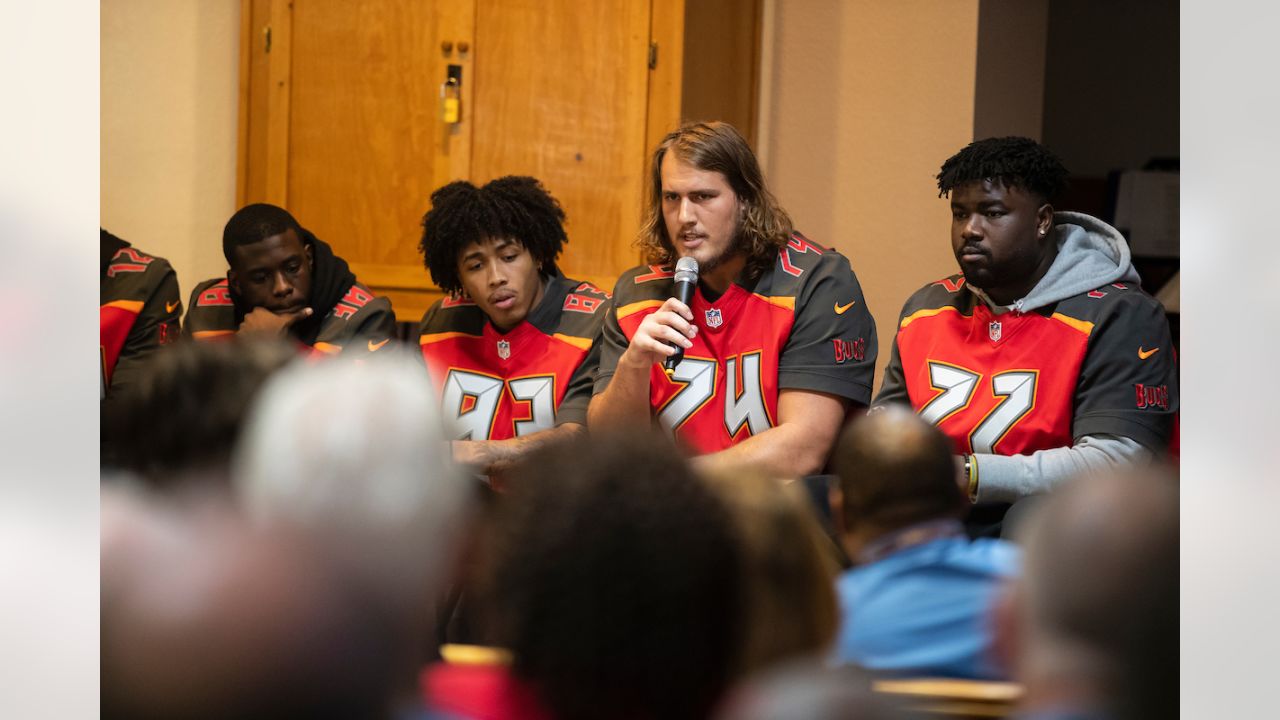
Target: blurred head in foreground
178 426
205 617
352 452
1093 624
895 470
613 578
790 567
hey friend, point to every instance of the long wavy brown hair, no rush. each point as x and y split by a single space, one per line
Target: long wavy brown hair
718 146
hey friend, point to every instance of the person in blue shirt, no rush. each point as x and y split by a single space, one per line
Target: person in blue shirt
919 597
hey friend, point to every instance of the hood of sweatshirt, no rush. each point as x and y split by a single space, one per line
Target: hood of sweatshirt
1091 254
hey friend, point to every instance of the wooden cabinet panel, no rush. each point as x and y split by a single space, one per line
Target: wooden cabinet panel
563 98
340 120
363 125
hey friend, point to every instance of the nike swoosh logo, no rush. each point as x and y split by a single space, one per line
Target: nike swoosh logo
841 308
1144 354
169 306
373 346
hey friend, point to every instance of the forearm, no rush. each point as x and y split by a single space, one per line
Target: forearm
625 401
1008 478
493 456
782 452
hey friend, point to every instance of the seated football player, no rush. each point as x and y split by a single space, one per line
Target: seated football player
283 281
140 311
778 343
512 349
1042 358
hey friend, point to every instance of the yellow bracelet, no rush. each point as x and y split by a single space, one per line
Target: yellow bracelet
971 470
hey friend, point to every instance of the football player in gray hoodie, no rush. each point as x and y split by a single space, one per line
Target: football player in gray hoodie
1042 358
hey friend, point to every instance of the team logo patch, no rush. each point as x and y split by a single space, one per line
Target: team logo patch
714 318
855 350
504 349
1152 396
994 331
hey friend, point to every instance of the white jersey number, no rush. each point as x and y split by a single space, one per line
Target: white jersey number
1015 388
486 392
742 406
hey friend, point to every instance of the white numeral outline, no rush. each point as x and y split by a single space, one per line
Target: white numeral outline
1018 390
477 423
745 406
956 386
699 377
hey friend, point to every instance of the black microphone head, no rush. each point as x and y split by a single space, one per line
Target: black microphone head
686 270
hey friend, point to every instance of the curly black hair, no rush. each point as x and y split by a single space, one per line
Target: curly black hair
515 207
614 576
1013 161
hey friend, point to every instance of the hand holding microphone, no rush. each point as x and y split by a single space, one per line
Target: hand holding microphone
686 280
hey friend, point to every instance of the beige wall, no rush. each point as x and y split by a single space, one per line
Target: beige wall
864 100
170 84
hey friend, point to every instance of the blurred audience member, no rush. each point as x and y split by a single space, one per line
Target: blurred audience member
180 424
613 578
918 598
807 691
1092 626
353 453
790 568
205 617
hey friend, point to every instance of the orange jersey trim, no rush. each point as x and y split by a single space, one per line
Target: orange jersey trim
133 306
639 306
579 342
211 334
428 338
926 313
1083 326
787 302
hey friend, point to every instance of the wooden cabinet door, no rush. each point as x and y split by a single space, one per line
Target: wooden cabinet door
561 94
341 124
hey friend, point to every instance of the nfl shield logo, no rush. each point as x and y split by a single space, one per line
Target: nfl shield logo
714 318
994 330
504 349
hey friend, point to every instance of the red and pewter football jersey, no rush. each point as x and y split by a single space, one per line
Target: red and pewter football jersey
1012 384
360 322
804 325
139 311
495 386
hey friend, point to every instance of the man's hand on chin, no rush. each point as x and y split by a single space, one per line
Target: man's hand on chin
262 321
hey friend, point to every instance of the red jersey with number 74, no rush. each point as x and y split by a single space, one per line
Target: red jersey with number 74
803 324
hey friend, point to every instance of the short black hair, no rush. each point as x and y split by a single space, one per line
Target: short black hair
614 577
515 207
255 223
1013 161
895 469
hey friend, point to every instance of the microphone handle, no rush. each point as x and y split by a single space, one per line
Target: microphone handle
684 293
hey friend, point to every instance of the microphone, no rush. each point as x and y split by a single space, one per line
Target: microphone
685 281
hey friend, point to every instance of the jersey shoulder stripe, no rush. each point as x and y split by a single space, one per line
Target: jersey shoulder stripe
938 296
443 317
638 306
432 338
1084 326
